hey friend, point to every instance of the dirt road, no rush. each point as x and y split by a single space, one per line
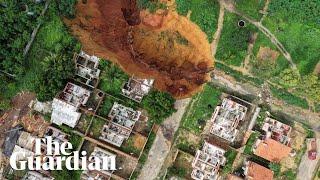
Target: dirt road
162 144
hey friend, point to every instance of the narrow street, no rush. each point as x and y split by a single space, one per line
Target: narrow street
162 144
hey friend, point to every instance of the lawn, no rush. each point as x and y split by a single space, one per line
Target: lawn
204 13
251 8
250 142
200 109
96 127
112 78
234 40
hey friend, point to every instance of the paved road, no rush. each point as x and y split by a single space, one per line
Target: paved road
307 167
162 144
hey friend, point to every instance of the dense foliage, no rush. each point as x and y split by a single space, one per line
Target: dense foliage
307 11
251 8
233 44
17 20
203 12
159 105
289 98
66 7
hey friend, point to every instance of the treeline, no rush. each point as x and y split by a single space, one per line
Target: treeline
307 11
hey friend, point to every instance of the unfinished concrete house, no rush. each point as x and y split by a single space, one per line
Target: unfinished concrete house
206 163
56 135
98 175
34 175
24 146
277 130
136 89
226 119
65 106
274 144
122 121
87 69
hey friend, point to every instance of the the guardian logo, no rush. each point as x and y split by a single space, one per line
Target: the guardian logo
58 156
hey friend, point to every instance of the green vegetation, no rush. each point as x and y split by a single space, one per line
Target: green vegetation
250 142
75 140
152 6
96 127
66 7
203 12
289 174
159 105
296 25
275 167
289 98
200 109
238 75
177 171
17 21
230 156
251 8
112 78
129 147
48 65
66 174
234 41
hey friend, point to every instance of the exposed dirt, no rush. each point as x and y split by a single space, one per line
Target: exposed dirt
267 54
163 46
317 69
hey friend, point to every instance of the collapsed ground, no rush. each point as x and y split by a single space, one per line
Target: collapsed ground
163 46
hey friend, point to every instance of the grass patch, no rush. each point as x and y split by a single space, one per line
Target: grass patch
289 98
204 13
250 142
201 109
251 7
234 40
230 156
96 127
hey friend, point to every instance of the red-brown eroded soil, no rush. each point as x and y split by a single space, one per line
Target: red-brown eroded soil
163 46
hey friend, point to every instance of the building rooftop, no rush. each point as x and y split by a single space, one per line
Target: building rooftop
207 162
122 121
34 175
11 139
254 171
271 150
87 69
103 174
136 89
277 131
226 119
26 140
75 95
64 113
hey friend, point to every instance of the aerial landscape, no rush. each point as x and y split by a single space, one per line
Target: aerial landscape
171 89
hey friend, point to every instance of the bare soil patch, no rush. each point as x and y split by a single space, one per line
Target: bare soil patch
164 46
267 54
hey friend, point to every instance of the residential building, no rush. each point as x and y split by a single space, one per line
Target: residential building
254 171
274 144
87 69
98 175
122 121
136 89
226 119
65 107
207 162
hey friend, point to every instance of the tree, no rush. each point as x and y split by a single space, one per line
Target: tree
310 86
275 167
289 78
57 69
159 105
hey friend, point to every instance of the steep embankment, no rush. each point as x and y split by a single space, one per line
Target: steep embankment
163 46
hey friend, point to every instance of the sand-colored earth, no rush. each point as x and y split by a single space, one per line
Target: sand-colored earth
164 46
267 54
